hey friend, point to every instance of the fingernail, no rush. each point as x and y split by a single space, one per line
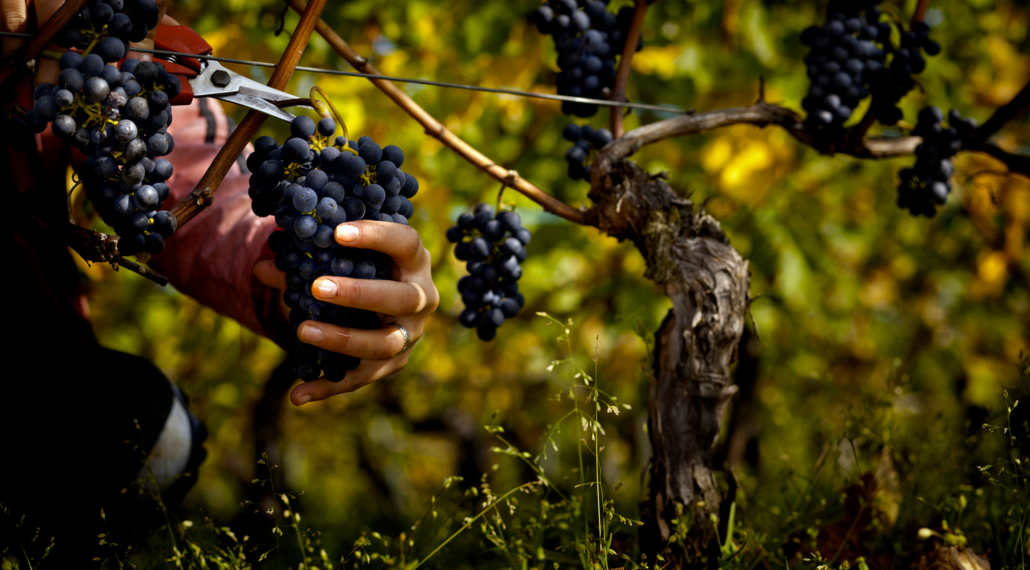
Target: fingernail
347 232
310 334
304 399
324 288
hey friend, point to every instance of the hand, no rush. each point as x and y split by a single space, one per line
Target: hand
408 300
16 19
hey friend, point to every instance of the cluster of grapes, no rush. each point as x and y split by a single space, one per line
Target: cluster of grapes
493 248
848 62
119 119
588 38
926 185
583 139
107 26
890 84
312 183
843 54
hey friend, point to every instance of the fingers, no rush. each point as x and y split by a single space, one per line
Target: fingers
14 19
379 344
268 274
398 241
367 372
396 298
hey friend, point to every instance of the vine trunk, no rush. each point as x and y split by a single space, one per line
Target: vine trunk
691 260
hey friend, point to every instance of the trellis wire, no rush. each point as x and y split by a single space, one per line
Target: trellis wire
499 90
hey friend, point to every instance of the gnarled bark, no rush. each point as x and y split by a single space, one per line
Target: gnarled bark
691 260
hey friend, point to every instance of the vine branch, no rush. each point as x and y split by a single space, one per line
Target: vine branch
625 66
93 246
1016 163
1004 114
436 130
920 12
760 114
765 114
202 196
43 37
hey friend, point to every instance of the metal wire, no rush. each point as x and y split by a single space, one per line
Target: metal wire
500 90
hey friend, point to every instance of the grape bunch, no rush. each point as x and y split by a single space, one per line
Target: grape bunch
848 62
119 119
312 183
584 139
925 184
889 84
105 27
588 38
492 247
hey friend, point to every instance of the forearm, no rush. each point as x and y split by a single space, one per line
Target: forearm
212 258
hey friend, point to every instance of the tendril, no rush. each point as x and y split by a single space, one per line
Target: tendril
320 107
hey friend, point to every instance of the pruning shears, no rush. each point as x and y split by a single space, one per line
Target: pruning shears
205 78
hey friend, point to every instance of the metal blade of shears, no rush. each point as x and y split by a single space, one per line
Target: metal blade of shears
258 104
214 80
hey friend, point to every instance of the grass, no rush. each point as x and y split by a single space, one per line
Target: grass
887 510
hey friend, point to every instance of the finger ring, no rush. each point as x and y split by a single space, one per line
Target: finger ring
407 338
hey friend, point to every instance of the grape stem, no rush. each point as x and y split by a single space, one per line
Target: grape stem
513 176
137 268
92 44
859 131
96 37
625 66
920 12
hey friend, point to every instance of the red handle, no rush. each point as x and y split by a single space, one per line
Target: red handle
182 39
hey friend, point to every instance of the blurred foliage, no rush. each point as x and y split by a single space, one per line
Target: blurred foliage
885 341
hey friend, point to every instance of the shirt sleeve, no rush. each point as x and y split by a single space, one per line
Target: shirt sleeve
212 257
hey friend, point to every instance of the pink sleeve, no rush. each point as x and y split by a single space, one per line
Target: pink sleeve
212 257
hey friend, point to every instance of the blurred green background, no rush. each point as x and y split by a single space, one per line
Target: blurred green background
879 335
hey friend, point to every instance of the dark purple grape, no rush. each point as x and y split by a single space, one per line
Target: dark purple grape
302 127
110 49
